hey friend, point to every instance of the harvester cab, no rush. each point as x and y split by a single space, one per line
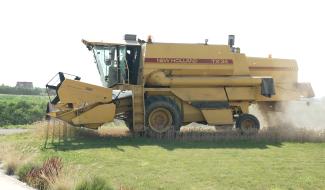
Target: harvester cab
117 63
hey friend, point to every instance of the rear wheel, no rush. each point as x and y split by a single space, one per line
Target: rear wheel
162 114
247 124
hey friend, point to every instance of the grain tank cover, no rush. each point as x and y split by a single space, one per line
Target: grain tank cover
176 59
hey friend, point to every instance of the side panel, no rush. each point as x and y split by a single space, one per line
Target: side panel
99 114
218 117
200 94
241 93
191 114
281 70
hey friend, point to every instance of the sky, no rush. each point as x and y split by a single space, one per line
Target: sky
39 38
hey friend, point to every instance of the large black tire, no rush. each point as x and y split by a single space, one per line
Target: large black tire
162 115
247 124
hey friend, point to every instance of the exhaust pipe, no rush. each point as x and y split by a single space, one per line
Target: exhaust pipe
231 40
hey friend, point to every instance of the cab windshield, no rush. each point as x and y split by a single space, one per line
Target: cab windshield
111 64
117 64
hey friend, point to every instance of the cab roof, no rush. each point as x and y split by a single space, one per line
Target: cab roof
91 44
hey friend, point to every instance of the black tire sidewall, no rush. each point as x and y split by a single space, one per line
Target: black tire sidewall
244 117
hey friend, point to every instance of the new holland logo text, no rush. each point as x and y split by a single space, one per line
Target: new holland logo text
189 61
177 60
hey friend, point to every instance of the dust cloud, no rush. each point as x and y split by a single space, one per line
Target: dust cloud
307 114
295 120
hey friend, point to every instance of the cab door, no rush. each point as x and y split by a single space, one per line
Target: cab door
123 70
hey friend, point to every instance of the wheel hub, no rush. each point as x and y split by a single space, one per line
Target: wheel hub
160 120
247 124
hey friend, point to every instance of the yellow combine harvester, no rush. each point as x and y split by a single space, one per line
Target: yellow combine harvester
172 84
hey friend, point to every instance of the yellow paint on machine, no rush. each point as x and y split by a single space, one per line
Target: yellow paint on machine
80 93
84 104
206 94
218 116
241 93
100 114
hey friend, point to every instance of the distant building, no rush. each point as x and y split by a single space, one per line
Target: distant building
27 85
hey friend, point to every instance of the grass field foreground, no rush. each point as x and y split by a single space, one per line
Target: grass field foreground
142 163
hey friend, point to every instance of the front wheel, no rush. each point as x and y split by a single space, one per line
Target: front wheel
247 124
162 114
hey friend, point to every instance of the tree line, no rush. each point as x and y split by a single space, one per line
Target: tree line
4 89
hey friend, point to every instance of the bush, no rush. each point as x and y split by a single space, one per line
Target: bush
95 183
25 169
11 167
42 177
18 110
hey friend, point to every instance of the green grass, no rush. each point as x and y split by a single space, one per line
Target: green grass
17 126
140 163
